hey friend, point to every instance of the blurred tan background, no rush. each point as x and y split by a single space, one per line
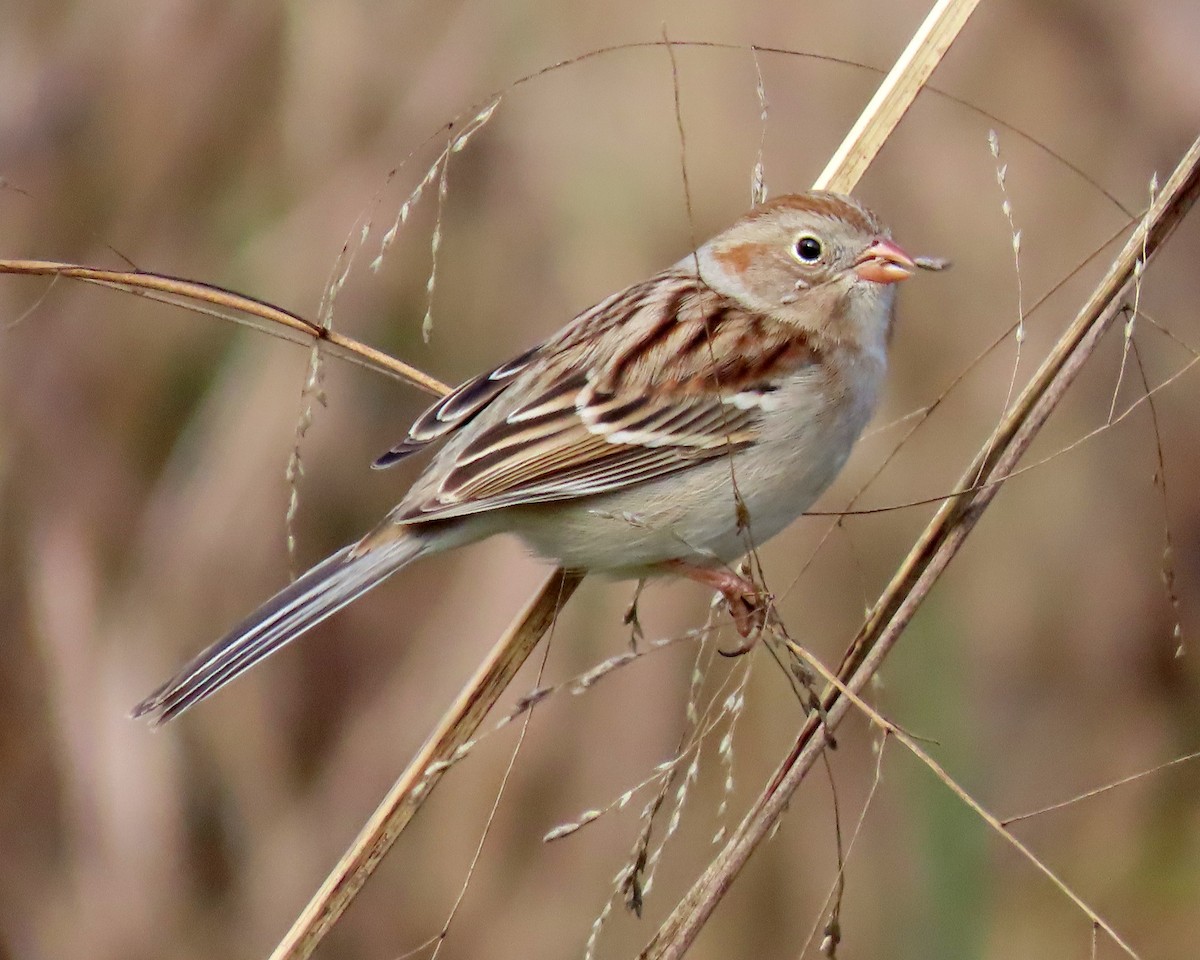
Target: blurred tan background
143 452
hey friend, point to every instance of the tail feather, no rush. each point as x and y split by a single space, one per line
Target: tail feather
319 593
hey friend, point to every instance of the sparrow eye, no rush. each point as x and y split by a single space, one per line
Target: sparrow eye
808 249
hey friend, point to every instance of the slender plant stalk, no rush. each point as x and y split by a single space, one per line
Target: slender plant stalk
895 95
426 768
236 307
1001 827
935 548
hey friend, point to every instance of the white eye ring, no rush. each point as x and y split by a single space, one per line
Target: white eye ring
807 248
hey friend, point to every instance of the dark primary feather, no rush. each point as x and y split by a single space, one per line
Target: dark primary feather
322 591
455 409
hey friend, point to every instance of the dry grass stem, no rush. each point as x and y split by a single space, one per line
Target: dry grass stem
311 394
1006 208
935 548
1167 563
758 179
890 729
414 785
491 817
205 298
895 95
1097 791
839 880
1131 319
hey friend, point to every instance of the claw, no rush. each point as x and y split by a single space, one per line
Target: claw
749 617
747 605
631 619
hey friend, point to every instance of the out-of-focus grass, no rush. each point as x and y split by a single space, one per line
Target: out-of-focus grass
142 454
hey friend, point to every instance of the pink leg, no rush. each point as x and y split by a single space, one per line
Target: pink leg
742 596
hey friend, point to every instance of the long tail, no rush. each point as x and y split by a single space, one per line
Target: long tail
322 591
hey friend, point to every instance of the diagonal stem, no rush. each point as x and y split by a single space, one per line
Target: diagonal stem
405 797
207 298
895 95
938 544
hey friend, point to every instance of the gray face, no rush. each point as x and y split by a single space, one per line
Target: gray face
795 260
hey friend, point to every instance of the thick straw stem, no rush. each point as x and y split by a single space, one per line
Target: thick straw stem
895 95
405 797
934 550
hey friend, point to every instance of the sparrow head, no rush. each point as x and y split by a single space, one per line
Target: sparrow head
818 260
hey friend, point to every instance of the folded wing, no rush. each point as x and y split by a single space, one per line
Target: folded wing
591 412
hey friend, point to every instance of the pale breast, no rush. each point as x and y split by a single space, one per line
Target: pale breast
810 424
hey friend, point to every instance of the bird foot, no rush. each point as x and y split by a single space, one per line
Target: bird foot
746 603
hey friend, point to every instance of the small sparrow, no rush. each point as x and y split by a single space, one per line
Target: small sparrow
666 430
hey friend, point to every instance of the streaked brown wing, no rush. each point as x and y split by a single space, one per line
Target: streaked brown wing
653 380
576 442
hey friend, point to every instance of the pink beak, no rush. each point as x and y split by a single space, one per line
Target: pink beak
884 262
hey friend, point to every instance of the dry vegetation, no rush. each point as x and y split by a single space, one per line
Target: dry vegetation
143 457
